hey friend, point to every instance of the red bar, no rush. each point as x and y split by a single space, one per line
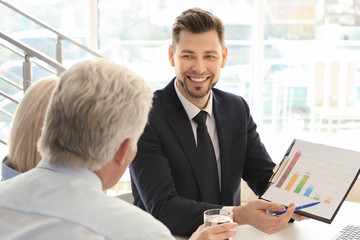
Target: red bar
288 170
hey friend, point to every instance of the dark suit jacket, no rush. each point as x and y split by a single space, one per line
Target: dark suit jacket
164 173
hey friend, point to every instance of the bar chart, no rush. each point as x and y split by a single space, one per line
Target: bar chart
314 173
297 178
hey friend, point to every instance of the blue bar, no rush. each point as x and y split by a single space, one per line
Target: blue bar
308 191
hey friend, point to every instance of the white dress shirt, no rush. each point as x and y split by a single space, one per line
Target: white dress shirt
50 202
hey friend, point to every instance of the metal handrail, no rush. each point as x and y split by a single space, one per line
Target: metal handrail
6 113
11 82
22 55
32 52
59 35
9 97
12 49
29 52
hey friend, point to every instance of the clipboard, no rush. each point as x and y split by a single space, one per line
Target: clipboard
311 172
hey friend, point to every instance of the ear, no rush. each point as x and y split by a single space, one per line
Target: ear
224 56
171 55
121 153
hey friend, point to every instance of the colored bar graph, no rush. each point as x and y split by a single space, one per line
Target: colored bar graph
291 182
308 191
288 170
301 184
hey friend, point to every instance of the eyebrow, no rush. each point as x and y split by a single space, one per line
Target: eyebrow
206 52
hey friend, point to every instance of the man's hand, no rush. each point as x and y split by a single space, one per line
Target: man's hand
218 232
298 217
255 213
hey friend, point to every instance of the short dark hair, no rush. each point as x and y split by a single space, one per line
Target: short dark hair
196 20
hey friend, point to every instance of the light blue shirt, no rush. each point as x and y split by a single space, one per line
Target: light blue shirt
51 202
6 171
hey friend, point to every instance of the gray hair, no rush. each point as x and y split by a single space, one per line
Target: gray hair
96 106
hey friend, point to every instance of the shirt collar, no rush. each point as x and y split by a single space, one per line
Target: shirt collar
6 171
190 108
82 173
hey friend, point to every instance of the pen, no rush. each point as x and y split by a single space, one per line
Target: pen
297 208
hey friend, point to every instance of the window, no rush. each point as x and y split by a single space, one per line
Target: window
278 51
296 62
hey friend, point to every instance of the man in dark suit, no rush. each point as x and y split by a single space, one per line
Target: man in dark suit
168 178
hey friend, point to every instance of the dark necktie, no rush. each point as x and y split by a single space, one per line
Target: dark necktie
210 178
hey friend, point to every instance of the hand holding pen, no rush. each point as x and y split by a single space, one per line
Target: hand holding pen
296 208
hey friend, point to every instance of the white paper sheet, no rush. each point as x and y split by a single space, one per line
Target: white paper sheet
315 172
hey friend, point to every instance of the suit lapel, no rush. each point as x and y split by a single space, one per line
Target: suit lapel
179 122
223 127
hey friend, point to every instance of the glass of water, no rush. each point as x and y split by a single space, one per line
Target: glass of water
214 217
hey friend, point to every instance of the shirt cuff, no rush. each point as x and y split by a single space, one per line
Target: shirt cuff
229 208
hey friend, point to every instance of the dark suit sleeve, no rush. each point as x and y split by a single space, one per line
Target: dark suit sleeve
258 165
154 189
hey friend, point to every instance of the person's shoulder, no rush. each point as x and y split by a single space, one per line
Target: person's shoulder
132 221
168 90
165 100
157 96
227 96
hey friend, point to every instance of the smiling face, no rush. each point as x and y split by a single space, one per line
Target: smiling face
197 58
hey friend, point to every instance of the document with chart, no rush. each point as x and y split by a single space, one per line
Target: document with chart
312 172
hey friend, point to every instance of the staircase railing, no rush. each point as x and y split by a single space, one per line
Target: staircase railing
31 55
59 35
31 52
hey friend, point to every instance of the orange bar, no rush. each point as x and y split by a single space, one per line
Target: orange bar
291 182
327 201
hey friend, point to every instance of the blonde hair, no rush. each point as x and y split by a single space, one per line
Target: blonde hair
96 106
26 125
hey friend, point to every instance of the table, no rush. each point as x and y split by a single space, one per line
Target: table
310 229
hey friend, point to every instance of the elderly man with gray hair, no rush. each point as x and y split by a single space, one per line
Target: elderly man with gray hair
95 117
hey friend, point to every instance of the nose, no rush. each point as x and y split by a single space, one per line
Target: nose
199 66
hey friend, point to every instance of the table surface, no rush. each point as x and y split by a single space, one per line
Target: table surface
310 229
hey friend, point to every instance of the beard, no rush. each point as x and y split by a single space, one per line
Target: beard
197 93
